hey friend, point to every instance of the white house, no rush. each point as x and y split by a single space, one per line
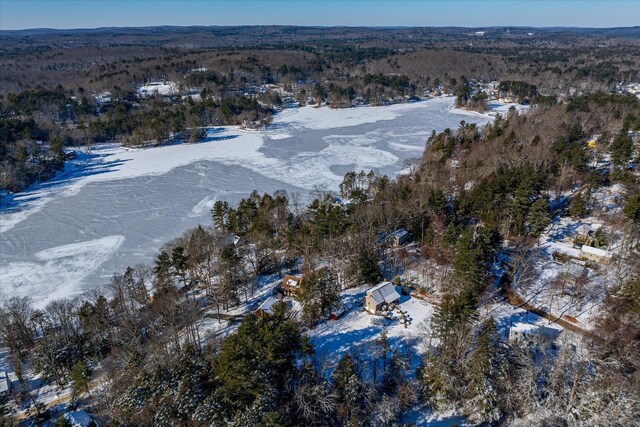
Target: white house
595 254
376 297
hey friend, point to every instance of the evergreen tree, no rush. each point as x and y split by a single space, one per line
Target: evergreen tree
79 376
319 293
538 217
347 387
219 214
621 149
578 208
162 270
485 369
369 267
631 206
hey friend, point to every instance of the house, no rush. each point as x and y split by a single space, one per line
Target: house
266 309
379 295
234 240
400 237
80 419
525 332
5 385
595 254
291 284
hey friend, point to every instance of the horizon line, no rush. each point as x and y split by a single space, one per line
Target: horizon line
314 26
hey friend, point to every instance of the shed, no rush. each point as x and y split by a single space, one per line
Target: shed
376 297
337 312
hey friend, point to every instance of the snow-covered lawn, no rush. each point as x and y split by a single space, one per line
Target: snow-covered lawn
358 330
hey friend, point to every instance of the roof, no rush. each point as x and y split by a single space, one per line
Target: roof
267 305
384 292
291 281
4 382
595 251
79 418
533 329
400 233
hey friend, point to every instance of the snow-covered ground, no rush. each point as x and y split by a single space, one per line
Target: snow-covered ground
358 330
137 199
565 285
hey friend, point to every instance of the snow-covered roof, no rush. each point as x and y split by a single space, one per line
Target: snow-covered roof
595 251
292 281
533 329
384 292
267 305
400 233
79 418
4 382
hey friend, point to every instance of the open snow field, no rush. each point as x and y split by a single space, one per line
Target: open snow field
113 207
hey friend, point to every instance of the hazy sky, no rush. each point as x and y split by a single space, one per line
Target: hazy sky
18 14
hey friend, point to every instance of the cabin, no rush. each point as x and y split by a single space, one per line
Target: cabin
5 385
80 419
600 256
291 284
379 295
400 237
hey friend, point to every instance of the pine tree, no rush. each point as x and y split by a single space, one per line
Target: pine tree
579 203
369 268
621 149
347 387
218 214
538 216
79 376
485 369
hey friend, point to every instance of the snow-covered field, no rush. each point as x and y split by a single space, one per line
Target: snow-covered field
114 207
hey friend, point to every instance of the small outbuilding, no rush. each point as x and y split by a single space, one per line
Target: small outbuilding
379 295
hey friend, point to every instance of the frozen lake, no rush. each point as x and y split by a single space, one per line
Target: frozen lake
115 207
